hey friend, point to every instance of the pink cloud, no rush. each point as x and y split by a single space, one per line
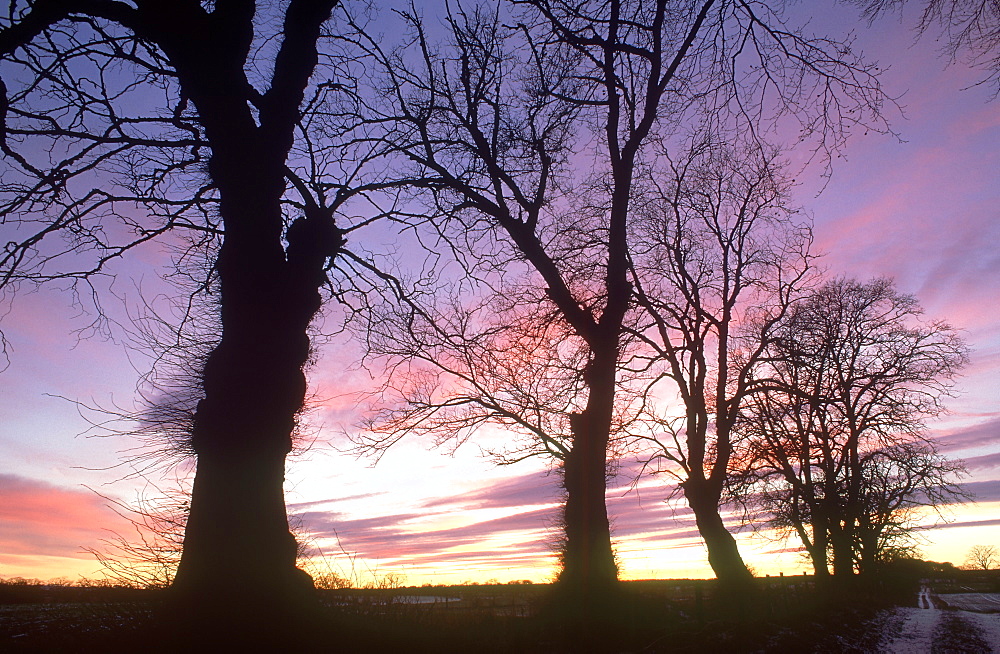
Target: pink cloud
986 462
41 519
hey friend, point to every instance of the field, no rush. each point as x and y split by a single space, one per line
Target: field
960 613
649 616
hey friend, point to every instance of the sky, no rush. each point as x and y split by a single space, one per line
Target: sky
923 209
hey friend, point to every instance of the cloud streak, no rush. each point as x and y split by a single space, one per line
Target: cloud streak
456 531
983 434
429 534
41 519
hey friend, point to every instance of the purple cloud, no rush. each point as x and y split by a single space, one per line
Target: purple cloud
985 462
979 435
995 522
983 491
405 537
531 489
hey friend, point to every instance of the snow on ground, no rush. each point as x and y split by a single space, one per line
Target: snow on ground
916 633
980 602
915 627
989 627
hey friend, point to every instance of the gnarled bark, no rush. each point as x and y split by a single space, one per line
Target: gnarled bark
239 555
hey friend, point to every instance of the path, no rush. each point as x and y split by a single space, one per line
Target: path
916 634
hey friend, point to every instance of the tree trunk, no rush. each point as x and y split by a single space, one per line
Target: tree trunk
843 553
237 546
588 563
589 575
820 543
868 563
239 555
723 553
818 556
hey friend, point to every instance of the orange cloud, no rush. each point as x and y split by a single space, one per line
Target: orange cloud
38 519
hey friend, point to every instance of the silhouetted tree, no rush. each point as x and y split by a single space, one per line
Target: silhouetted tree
531 134
901 482
196 125
834 448
717 248
982 557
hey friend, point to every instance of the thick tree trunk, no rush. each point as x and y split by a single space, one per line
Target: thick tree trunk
237 547
588 563
843 554
239 555
723 553
589 575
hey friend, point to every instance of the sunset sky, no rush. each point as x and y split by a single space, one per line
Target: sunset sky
924 211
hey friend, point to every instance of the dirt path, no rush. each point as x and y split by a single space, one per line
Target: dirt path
916 630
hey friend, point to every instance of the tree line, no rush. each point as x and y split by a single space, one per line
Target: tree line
611 262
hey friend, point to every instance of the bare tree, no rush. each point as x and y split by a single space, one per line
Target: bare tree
982 557
833 448
902 483
971 29
718 249
530 141
194 125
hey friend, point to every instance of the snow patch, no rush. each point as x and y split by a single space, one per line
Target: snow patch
916 633
989 627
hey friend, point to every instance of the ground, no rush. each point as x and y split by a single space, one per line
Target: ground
659 616
943 625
